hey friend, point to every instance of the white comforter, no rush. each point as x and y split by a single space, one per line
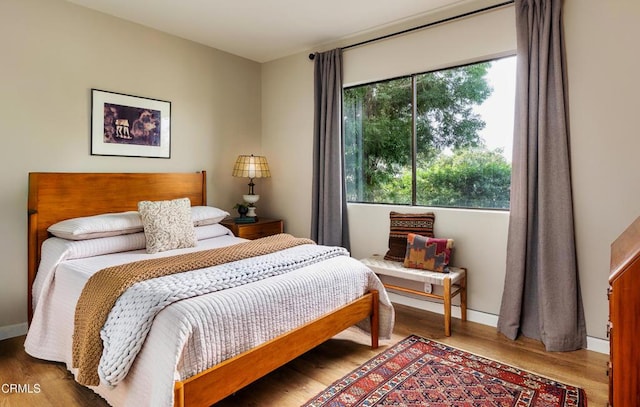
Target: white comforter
193 334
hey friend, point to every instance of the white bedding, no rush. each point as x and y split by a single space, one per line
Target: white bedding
185 337
131 317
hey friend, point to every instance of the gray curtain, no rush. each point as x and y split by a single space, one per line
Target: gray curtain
329 224
541 298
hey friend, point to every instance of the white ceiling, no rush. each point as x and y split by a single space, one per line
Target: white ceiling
263 30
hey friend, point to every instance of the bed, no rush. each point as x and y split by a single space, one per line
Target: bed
54 197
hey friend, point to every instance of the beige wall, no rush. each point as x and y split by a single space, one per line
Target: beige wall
602 60
287 133
600 40
53 53
481 37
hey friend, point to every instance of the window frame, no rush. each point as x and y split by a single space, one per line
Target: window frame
414 135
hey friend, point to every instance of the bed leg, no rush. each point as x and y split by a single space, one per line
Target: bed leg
178 395
375 318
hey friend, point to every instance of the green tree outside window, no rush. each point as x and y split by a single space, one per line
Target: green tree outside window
453 167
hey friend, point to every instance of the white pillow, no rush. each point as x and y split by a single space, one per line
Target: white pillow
91 227
123 223
207 215
167 224
211 231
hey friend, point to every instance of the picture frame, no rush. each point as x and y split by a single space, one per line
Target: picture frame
129 126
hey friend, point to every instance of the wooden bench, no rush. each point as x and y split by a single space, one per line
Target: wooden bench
453 283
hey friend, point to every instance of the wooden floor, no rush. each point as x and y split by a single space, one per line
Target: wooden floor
306 376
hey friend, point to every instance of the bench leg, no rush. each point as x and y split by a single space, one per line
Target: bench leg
447 306
375 318
463 297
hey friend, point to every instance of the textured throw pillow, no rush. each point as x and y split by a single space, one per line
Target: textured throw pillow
167 224
428 253
402 224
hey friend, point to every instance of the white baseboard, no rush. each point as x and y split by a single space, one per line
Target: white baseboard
593 344
11 331
598 345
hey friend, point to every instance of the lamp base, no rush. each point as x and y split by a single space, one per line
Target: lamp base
251 199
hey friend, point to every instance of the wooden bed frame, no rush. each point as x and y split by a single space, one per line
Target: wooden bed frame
57 196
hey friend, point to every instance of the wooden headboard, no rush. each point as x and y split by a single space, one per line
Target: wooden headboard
57 196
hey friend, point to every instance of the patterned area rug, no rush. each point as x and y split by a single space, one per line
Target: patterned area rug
419 372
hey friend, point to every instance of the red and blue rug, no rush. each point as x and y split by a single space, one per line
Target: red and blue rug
419 372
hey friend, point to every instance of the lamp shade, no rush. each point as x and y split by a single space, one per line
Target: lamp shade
250 166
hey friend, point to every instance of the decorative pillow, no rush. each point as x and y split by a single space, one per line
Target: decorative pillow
207 215
167 224
403 223
428 253
104 225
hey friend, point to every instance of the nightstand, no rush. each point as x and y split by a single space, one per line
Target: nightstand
261 228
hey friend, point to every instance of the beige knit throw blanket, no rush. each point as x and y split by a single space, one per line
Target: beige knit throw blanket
102 290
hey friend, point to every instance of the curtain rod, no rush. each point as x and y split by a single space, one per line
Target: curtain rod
423 26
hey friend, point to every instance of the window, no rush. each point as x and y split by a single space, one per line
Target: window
440 138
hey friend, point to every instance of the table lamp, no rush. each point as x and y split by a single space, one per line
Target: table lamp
250 166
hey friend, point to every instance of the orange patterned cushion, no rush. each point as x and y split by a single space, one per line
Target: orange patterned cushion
428 253
400 224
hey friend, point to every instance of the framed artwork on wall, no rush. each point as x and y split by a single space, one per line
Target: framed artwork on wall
129 126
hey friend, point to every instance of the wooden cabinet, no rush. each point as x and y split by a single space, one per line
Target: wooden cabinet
624 318
261 228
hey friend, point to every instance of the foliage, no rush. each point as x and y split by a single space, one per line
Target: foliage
378 141
377 132
445 100
473 178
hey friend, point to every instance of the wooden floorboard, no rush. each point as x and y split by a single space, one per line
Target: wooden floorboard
306 376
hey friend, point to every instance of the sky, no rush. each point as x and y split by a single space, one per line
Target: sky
498 110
